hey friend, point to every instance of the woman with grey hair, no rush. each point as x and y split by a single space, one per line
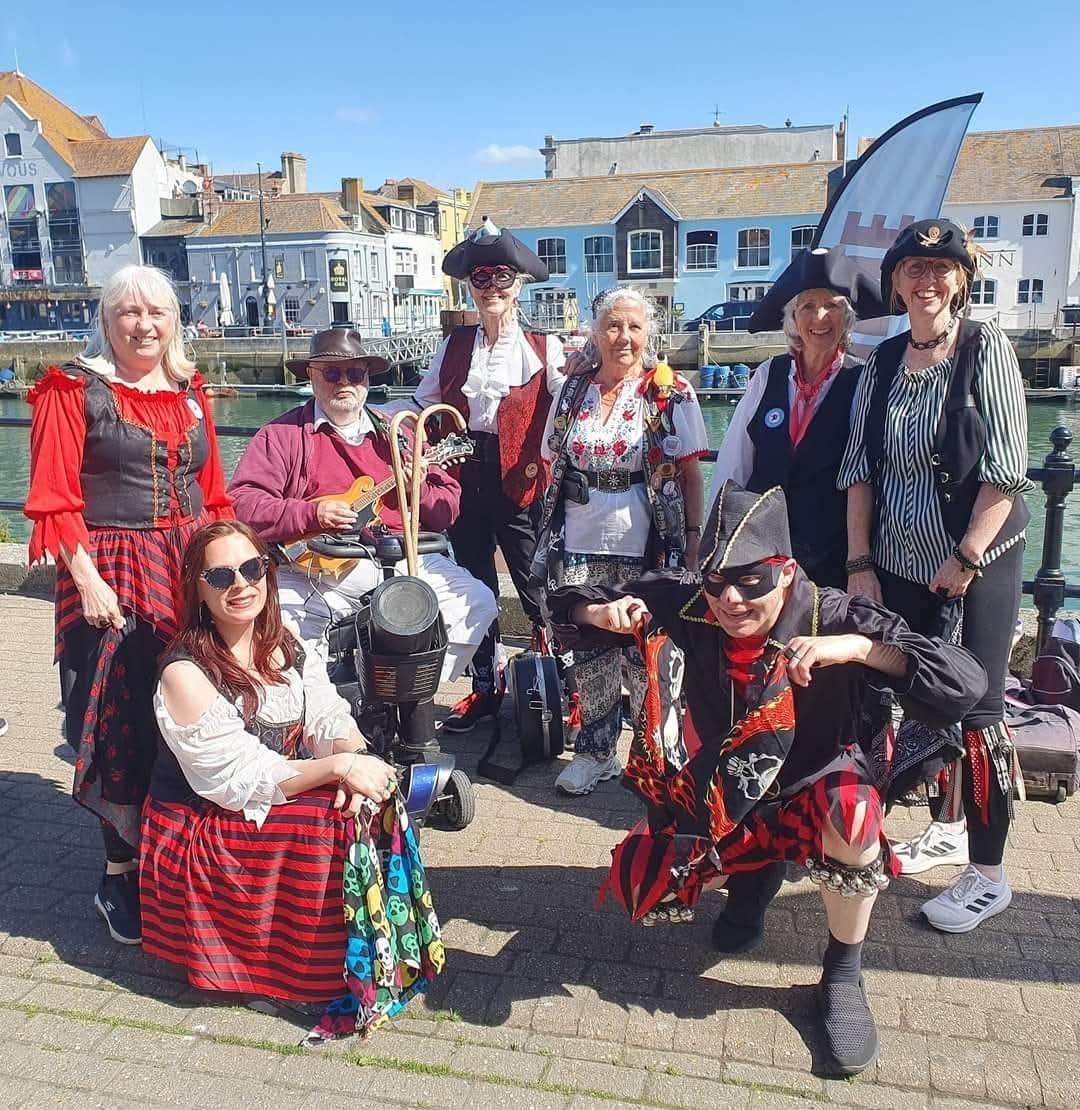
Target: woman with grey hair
124 468
790 427
624 439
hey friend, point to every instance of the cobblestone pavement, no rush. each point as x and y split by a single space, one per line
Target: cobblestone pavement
546 1001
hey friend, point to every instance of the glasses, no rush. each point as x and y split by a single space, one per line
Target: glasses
252 570
919 267
356 375
502 277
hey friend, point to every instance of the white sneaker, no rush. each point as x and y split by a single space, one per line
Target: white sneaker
941 842
967 903
582 775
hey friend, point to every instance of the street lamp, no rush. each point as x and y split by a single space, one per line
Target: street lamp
269 300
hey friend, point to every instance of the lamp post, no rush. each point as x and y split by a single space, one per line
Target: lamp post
269 300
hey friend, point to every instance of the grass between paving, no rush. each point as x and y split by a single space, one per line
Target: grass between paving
391 1063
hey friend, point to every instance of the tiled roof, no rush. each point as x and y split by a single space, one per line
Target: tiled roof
60 124
169 228
250 181
97 125
694 194
425 192
107 157
288 213
1014 165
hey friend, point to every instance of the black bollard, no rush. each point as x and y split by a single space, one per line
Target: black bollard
1058 478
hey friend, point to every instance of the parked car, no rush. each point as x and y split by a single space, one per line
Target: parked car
725 316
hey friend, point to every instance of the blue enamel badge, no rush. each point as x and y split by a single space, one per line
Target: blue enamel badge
774 418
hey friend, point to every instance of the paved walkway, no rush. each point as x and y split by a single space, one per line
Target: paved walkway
546 1001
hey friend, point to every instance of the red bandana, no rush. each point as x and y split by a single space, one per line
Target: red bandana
806 394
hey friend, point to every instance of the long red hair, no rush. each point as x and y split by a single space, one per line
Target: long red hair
199 638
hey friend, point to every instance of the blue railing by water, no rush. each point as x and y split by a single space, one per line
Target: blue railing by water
1057 476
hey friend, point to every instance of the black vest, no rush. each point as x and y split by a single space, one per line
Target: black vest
960 440
125 476
817 510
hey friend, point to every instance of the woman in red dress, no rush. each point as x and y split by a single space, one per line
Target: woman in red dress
124 467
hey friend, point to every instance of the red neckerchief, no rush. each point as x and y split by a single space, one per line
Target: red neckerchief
741 654
806 394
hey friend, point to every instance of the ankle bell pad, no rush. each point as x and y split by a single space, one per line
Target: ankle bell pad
848 880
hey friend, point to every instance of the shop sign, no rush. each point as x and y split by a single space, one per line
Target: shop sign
339 275
14 167
28 275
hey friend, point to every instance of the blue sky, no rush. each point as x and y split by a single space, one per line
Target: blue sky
391 90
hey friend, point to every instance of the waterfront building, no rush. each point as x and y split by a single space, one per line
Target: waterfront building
688 239
648 150
75 202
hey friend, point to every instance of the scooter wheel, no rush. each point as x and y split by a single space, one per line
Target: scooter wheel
458 804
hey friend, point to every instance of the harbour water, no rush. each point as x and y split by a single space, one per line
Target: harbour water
252 411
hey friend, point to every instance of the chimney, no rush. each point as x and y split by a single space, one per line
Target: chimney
389 189
407 195
351 188
645 129
293 172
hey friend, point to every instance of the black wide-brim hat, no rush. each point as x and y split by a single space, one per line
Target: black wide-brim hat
828 269
745 528
939 238
488 246
339 346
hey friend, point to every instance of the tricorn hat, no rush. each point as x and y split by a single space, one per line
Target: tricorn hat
939 238
342 347
745 528
488 246
820 268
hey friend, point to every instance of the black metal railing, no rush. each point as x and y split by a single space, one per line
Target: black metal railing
1057 476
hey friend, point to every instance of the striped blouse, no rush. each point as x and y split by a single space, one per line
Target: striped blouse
910 538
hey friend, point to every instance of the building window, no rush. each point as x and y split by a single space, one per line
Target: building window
985 291
254 276
307 266
746 292
23 230
985 227
801 238
547 308
395 217
410 221
64 232
292 311
279 267
339 312
599 254
429 225
701 250
552 253
404 261
753 247
1030 291
645 251
374 268
13 144
1035 223
434 267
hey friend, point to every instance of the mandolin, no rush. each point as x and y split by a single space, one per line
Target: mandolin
364 497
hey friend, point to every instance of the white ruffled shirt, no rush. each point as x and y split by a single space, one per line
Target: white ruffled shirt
230 766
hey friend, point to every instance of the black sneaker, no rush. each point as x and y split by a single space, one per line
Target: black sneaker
472 709
850 1033
117 900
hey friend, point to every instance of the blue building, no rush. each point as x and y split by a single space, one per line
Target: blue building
687 239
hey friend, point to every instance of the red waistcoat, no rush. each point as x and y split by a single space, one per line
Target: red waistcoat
521 417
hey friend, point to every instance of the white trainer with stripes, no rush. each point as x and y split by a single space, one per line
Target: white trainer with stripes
940 843
968 902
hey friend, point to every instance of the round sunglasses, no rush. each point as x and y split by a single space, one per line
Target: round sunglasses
251 570
502 277
355 374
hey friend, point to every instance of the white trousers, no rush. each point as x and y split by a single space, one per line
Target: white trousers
468 607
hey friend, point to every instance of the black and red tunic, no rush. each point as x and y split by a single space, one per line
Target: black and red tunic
127 475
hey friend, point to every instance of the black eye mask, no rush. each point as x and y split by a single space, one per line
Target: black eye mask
752 581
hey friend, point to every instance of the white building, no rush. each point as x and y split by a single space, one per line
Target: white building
414 252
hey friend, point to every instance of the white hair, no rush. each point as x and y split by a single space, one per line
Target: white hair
605 302
791 333
147 285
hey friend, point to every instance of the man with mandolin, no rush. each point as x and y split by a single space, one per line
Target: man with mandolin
325 467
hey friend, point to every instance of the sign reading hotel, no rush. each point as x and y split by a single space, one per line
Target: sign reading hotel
339 276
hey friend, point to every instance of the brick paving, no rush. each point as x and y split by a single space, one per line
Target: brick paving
546 1002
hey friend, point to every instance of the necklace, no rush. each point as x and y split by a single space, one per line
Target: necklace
930 344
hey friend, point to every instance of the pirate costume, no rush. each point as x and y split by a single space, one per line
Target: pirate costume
926 441
749 775
504 392
791 433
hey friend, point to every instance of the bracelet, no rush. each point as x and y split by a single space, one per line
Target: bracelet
695 528
352 763
859 564
965 562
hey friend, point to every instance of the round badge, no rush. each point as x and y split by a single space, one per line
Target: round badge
560 423
774 418
554 441
532 470
195 407
669 489
672 445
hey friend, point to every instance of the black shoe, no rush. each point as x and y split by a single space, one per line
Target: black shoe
741 927
117 900
472 709
850 1033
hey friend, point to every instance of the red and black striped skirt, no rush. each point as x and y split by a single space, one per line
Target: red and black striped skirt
244 909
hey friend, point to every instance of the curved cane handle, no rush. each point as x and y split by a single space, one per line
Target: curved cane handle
408 532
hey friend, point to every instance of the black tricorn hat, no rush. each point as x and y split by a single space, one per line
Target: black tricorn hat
745 528
819 269
342 347
938 238
488 246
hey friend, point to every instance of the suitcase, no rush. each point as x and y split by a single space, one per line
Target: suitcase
1047 742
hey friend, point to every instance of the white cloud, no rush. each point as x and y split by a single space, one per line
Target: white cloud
355 115
494 152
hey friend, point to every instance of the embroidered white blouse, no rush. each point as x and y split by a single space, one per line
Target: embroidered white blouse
230 766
